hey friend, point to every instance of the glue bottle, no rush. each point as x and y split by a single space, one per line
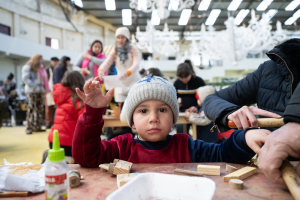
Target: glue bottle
56 172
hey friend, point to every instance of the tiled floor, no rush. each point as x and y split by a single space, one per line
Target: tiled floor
17 146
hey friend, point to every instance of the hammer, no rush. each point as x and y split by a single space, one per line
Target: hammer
289 175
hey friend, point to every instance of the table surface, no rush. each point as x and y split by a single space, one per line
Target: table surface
98 185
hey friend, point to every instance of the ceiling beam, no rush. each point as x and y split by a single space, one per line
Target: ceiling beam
119 9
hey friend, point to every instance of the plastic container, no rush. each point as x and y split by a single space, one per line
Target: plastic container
56 172
153 186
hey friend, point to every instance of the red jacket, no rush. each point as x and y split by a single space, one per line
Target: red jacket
66 115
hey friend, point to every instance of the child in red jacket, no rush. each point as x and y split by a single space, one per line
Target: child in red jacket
152 109
69 107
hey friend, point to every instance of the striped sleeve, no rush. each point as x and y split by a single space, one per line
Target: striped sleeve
108 62
136 59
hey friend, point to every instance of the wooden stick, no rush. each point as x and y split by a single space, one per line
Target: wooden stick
263 122
187 172
13 194
291 179
209 169
240 174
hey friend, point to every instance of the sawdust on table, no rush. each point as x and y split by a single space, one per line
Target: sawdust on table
20 170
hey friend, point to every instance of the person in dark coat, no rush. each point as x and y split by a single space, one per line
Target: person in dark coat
61 69
186 86
283 142
270 87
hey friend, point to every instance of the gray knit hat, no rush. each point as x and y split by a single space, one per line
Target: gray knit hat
151 88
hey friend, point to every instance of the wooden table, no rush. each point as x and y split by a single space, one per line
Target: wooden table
98 185
111 121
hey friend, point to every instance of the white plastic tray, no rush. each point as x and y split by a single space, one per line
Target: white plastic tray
155 186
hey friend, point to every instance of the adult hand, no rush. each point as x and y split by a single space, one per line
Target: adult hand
100 75
123 76
93 95
279 145
242 115
187 116
87 56
192 109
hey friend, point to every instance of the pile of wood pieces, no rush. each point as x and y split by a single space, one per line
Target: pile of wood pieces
117 167
74 178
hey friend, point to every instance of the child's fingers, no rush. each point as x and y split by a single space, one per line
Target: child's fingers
109 94
87 85
256 148
80 94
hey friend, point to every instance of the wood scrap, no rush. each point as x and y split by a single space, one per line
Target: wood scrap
240 174
209 169
108 111
125 178
104 167
13 194
230 168
122 167
187 173
111 168
236 184
116 160
74 178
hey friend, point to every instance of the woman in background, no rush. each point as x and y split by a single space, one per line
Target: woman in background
60 70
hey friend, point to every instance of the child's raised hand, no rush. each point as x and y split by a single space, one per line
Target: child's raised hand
93 95
256 138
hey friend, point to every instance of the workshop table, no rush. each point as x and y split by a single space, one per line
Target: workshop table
98 185
111 121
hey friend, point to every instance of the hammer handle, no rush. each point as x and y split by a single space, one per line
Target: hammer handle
263 122
291 179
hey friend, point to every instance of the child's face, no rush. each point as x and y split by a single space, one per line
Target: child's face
199 102
153 120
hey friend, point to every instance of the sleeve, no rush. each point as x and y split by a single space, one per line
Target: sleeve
78 62
200 119
233 150
230 99
108 62
26 77
136 59
97 61
292 111
88 150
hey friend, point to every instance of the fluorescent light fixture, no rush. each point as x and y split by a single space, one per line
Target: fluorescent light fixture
241 16
292 19
78 3
234 5
292 5
264 5
126 17
184 17
155 20
173 5
270 14
142 4
54 43
213 16
110 5
204 5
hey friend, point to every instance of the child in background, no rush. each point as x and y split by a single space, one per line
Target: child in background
152 110
69 108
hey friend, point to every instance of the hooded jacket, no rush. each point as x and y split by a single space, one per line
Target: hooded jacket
271 86
66 115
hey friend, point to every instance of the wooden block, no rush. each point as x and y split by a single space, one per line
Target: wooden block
240 174
117 112
209 169
124 178
13 194
87 71
230 168
122 167
111 168
104 167
116 160
187 172
74 178
236 184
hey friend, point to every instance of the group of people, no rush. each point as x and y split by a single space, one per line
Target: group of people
153 105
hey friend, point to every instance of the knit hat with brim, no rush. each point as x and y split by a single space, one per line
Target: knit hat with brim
204 91
151 88
123 31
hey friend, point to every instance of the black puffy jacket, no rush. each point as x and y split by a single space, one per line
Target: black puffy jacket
270 86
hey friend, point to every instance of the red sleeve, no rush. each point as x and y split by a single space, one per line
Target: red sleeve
88 150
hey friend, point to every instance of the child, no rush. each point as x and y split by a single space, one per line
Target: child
69 108
152 110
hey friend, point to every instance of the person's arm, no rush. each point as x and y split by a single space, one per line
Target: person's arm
200 119
88 150
108 62
292 111
135 60
78 62
97 61
26 77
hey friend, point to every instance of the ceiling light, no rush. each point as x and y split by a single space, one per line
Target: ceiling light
292 19
292 5
184 17
110 5
270 14
78 3
234 5
264 5
155 20
204 5
212 17
173 5
126 17
241 16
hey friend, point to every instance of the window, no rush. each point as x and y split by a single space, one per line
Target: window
4 29
52 42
